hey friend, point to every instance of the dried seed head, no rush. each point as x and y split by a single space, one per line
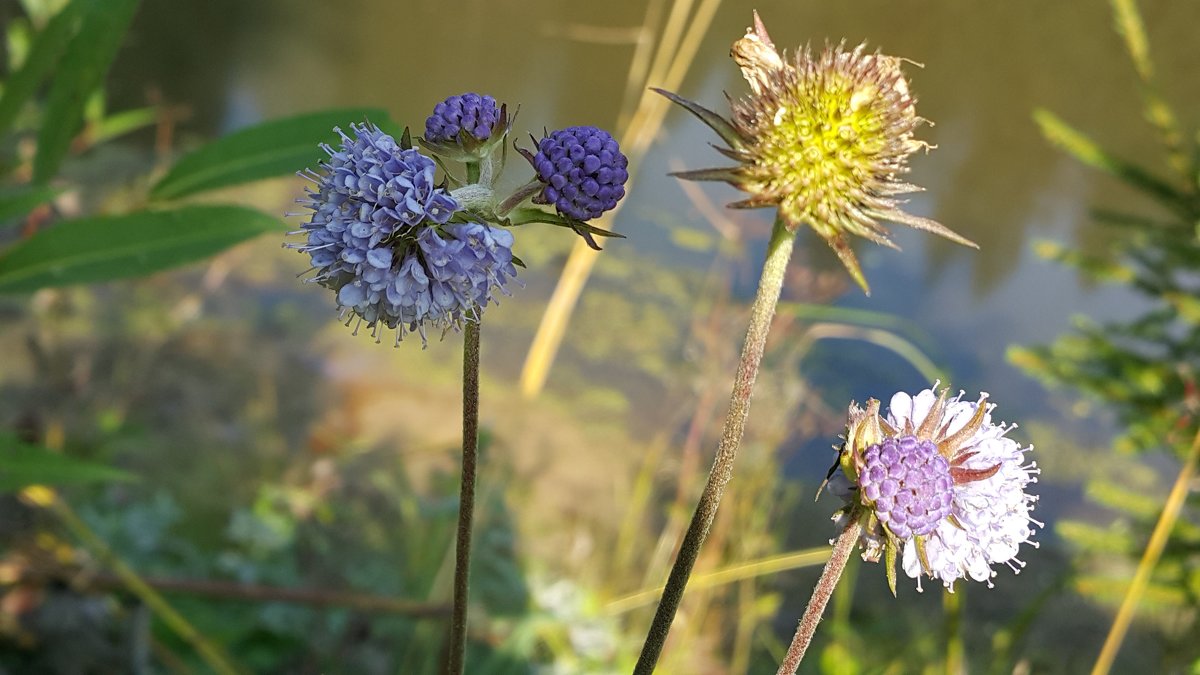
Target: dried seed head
823 137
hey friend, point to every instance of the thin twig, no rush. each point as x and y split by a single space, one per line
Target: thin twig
211 654
466 501
229 590
1154 549
820 597
779 251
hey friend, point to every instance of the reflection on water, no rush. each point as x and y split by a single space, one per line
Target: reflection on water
992 178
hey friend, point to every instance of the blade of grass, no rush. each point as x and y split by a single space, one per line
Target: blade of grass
635 138
881 338
210 653
793 560
1150 557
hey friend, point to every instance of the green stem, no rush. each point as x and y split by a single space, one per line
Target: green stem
952 607
209 652
519 196
820 597
466 500
779 251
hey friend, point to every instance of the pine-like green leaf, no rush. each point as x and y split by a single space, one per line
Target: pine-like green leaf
1087 151
102 248
82 69
274 148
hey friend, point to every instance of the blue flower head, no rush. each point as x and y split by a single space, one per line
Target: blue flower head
380 235
583 170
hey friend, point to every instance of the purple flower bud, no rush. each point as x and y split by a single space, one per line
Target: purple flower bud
583 169
471 113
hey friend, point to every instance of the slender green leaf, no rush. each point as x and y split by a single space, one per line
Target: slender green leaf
116 247
84 65
14 203
22 465
275 148
1087 151
42 56
124 122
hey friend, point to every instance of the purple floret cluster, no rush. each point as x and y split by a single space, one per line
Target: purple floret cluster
473 113
583 169
380 236
909 483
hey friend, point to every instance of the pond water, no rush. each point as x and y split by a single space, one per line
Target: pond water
992 178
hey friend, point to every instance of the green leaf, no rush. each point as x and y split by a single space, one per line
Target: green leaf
119 124
116 247
18 202
42 56
1087 151
84 65
22 465
275 148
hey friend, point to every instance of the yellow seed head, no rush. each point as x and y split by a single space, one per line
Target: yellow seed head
823 137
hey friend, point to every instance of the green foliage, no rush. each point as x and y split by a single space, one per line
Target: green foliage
21 200
22 465
276 148
1144 369
43 55
88 55
101 248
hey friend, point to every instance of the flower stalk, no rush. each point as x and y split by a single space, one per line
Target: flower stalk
466 500
779 252
842 547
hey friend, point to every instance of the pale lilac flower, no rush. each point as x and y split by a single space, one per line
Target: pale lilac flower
942 487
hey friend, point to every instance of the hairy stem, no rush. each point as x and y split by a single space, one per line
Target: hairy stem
779 251
820 597
466 500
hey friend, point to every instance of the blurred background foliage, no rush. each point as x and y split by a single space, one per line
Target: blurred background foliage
201 470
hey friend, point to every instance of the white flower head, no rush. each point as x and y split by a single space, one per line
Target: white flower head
939 483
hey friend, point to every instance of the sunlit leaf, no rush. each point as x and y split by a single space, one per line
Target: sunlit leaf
116 247
1087 151
1094 538
22 464
1114 496
275 148
42 56
82 69
14 203
119 124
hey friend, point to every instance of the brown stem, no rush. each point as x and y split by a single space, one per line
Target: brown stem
466 500
820 597
779 251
